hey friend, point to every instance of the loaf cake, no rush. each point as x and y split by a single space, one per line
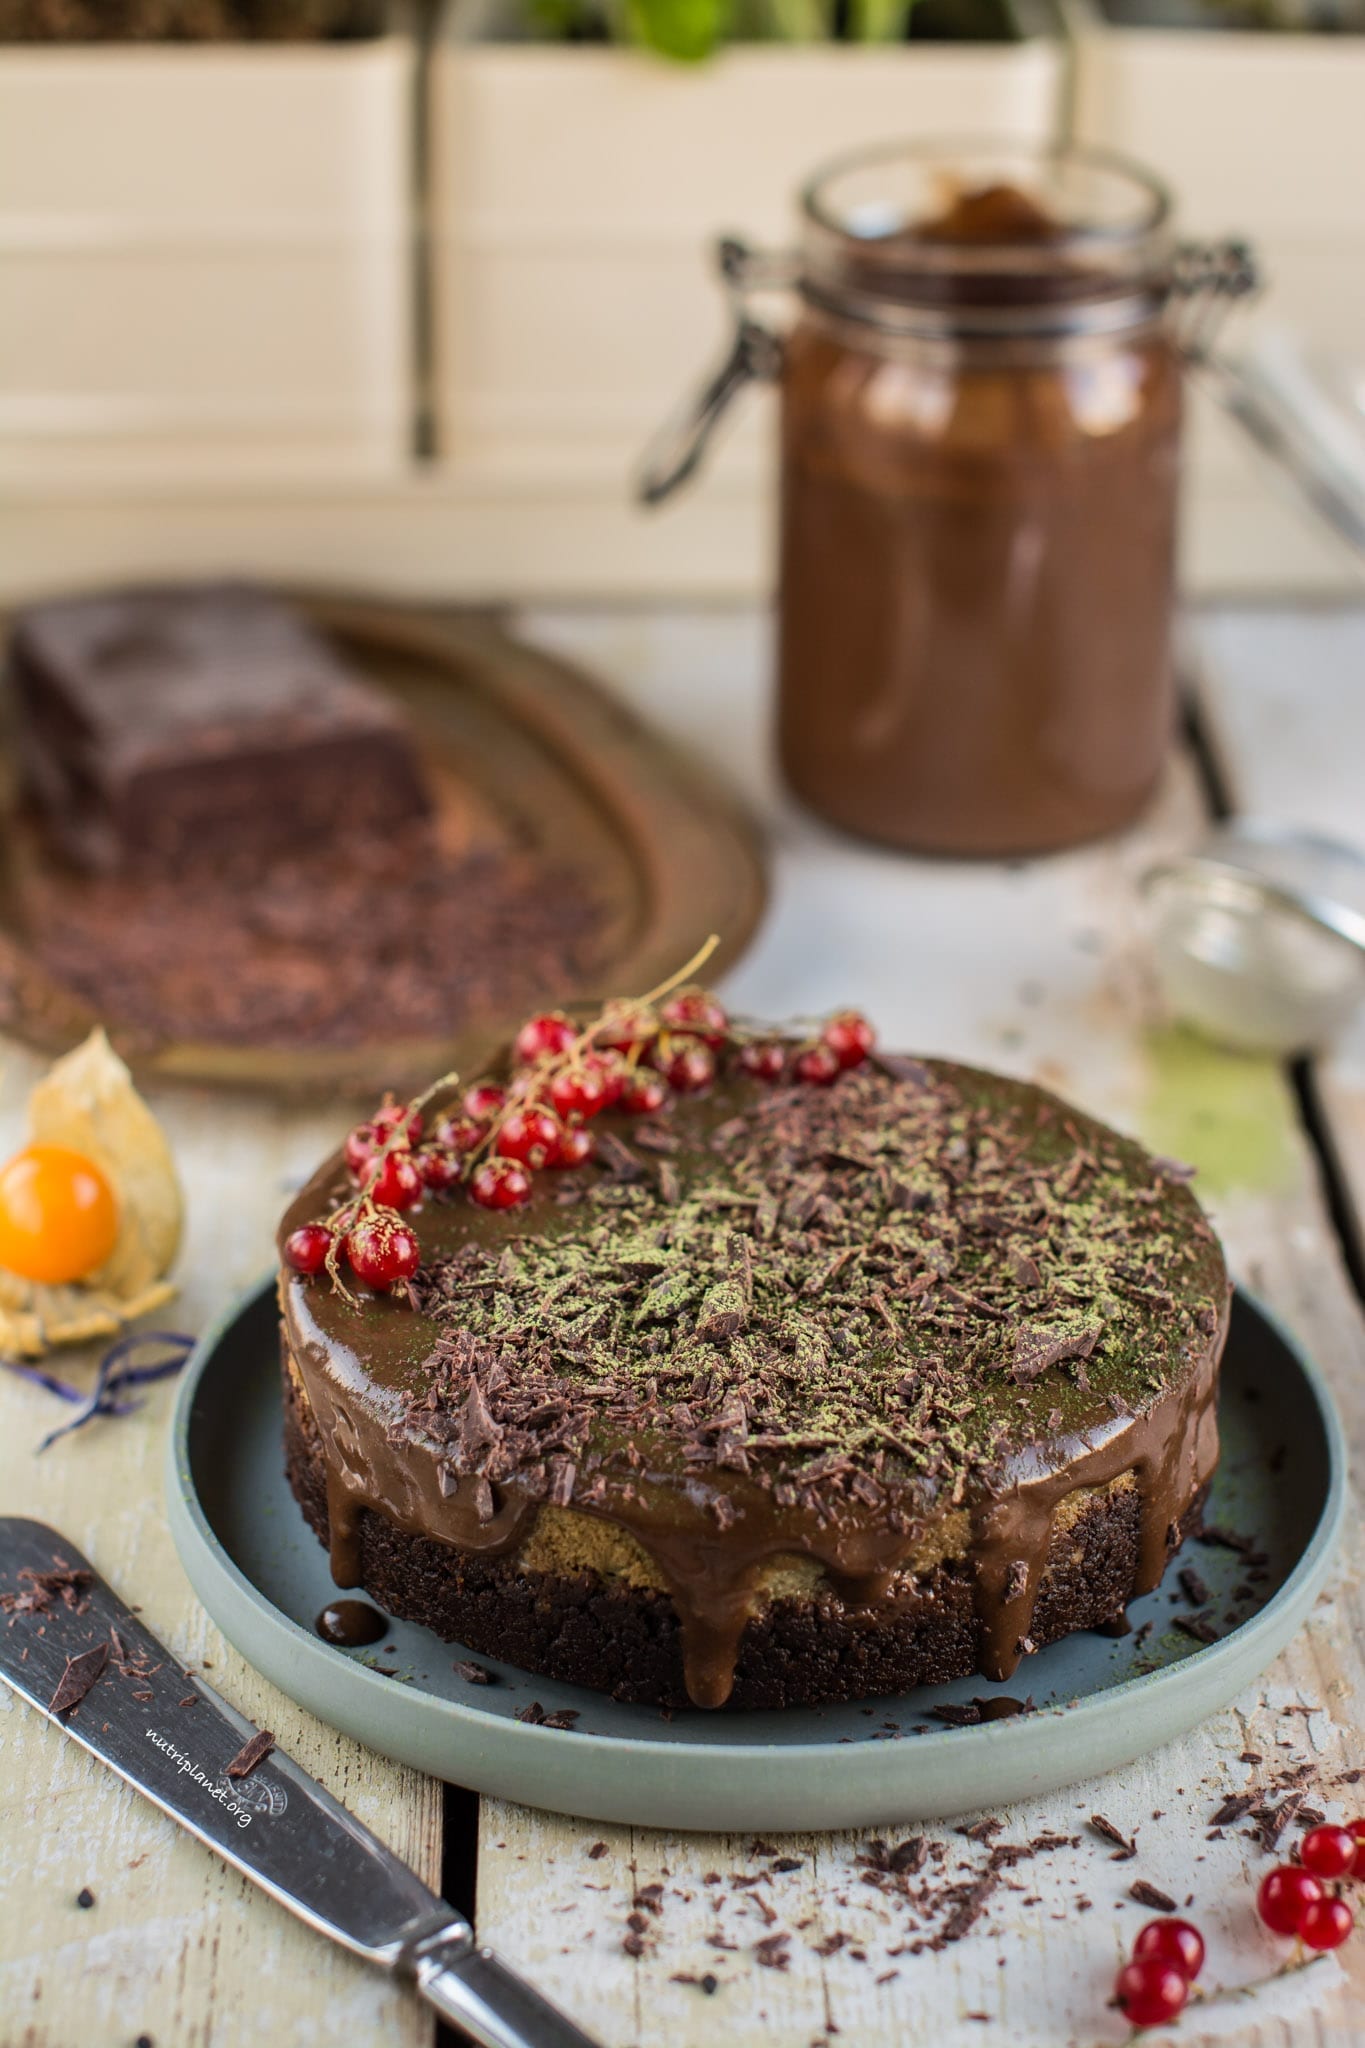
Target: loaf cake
826 1375
228 836
161 726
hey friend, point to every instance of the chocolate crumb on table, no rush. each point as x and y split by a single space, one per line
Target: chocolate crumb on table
1233 1807
85 1898
1108 1832
1150 1895
706 1983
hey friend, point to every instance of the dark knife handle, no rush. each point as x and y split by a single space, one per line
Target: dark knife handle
474 1991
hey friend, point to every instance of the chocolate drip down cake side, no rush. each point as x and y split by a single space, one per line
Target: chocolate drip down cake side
799 1374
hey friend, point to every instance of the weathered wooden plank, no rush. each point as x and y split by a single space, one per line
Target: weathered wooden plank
1040 970
1282 690
176 1946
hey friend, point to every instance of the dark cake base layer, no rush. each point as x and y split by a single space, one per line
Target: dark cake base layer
626 1640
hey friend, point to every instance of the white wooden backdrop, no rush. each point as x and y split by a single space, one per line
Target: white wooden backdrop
1039 969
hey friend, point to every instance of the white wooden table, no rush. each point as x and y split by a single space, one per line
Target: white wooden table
1038 969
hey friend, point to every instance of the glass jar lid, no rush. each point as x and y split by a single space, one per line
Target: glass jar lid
994 237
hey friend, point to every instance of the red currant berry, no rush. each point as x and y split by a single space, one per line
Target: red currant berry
461 1134
611 1071
579 1091
530 1135
817 1065
576 1147
361 1145
306 1248
1149 1991
644 1095
1328 1851
540 1036
849 1037
685 1063
500 1184
483 1101
387 1120
398 1182
625 1027
1174 1942
1325 1924
696 1011
764 1060
1285 1896
439 1168
1356 1828
381 1252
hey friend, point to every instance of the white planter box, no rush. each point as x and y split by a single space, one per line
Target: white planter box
576 195
1263 135
204 259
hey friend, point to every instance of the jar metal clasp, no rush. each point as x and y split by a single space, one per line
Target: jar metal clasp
754 356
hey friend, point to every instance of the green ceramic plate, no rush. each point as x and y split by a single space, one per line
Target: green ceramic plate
1098 1701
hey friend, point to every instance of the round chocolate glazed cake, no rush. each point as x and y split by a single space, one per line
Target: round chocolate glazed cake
793 1393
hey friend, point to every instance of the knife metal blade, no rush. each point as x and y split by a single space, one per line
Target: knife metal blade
170 1735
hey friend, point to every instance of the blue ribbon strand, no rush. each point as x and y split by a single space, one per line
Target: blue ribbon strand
114 1373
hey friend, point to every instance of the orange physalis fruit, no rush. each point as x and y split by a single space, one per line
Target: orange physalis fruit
58 1215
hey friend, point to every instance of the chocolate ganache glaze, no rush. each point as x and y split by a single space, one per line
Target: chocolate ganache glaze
872 1326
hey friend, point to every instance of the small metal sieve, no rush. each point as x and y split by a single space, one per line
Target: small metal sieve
1259 935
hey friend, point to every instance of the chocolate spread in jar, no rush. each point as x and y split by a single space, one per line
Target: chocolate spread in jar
978 538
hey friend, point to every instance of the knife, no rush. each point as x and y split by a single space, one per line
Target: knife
70 1647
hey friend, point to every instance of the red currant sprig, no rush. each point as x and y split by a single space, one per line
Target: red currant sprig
1154 1987
1294 1899
687 1064
695 1012
396 1164
1329 1852
634 1055
382 1251
306 1248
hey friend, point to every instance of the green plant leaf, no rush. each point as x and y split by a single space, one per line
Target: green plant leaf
878 21
685 29
794 21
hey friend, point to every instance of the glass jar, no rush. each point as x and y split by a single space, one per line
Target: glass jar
980 435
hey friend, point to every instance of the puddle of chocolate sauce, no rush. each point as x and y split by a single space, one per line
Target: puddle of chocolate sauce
1001 1707
351 1623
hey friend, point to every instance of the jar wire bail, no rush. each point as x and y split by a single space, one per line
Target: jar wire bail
754 356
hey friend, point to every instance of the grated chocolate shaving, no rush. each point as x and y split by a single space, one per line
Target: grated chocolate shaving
81 1674
1151 1895
252 1752
1107 1831
833 1296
